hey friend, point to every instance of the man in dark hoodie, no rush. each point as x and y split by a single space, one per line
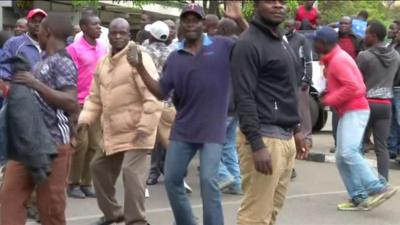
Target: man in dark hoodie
265 86
379 66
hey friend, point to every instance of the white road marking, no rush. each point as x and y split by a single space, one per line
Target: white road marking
160 210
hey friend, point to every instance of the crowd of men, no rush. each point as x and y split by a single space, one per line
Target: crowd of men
183 90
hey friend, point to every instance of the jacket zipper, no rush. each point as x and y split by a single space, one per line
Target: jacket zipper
275 106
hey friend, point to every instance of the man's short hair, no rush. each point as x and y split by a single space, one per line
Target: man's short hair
363 14
85 19
89 11
376 27
60 25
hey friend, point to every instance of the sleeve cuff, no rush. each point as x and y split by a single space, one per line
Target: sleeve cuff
257 144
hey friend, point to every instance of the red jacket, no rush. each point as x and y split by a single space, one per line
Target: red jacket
346 90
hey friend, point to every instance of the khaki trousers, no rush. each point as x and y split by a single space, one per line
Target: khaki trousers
264 195
51 200
105 171
88 143
164 127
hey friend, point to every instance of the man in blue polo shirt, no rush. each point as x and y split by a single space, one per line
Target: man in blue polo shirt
198 74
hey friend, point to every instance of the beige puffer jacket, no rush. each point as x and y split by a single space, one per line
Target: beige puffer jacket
129 113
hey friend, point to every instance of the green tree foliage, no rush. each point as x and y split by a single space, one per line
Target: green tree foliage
330 10
248 8
333 10
77 4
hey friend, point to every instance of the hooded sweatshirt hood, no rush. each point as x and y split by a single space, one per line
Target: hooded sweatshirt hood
379 66
385 55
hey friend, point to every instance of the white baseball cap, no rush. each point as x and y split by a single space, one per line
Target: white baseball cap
159 30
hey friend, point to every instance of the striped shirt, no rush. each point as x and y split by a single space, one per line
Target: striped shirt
58 72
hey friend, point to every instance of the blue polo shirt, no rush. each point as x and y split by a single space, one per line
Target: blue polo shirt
200 85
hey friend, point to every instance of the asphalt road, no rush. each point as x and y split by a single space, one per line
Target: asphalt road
311 200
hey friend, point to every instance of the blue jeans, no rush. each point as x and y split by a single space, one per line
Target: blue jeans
357 175
394 137
229 166
178 157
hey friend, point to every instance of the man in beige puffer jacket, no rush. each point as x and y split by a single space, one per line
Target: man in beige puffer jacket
129 116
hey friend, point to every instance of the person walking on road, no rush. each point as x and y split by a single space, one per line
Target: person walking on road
25 45
130 115
346 93
352 45
229 180
198 75
302 49
157 48
86 53
54 82
264 77
379 66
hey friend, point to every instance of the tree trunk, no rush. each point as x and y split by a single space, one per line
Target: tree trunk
205 5
214 7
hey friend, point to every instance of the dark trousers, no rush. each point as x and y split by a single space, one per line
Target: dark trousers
379 122
335 122
157 160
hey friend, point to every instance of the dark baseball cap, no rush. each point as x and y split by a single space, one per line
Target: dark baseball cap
193 8
326 34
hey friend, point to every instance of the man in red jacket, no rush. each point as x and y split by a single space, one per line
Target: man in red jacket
308 13
346 93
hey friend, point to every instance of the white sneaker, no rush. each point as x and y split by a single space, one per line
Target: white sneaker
187 187
147 193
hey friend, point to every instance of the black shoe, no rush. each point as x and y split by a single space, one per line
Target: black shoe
104 221
88 191
152 180
294 174
76 192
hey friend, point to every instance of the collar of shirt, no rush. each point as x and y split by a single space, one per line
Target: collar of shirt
114 59
34 43
206 41
83 41
327 58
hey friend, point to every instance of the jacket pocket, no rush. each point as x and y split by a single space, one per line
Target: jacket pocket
124 121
